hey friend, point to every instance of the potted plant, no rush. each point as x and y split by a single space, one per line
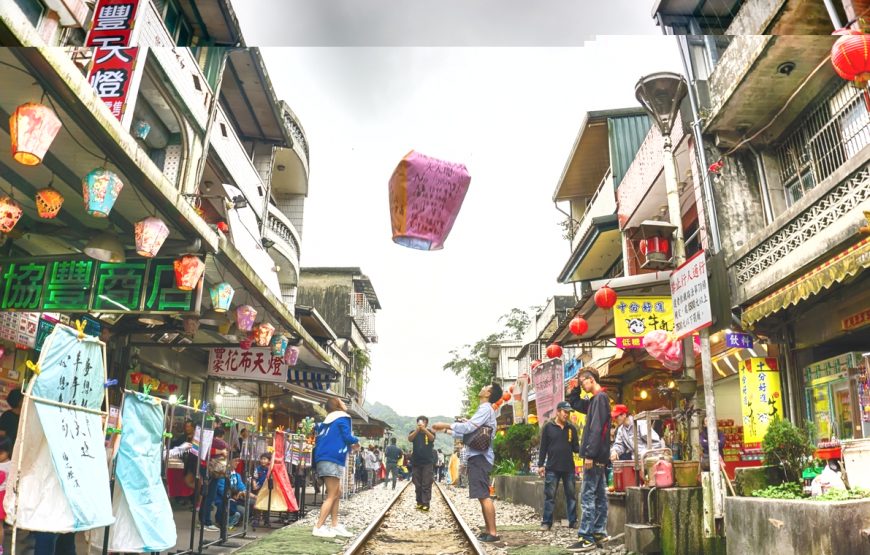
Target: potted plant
787 446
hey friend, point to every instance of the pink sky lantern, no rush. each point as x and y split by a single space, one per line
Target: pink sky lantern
245 316
425 197
150 234
263 334
188 271
32 128
291 355
10 213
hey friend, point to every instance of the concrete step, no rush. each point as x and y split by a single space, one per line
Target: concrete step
642 538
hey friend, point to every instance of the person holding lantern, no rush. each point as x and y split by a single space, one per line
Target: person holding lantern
558 444
423 461
626 427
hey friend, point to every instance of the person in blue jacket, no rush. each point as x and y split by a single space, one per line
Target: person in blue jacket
333 441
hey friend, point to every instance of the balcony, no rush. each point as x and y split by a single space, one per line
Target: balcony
235 159
364 315
280 230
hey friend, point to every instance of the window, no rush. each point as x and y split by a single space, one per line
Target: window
33 10
175 23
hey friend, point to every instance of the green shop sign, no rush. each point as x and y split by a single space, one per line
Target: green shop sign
83 284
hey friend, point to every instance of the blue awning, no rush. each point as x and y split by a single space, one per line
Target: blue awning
310 380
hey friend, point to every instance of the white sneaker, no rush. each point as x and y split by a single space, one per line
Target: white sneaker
341 531
323 532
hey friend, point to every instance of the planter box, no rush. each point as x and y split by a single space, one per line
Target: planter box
786 527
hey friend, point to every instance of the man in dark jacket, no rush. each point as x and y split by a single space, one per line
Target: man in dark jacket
595 450
558 445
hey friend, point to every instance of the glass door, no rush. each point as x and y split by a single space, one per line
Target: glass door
841 403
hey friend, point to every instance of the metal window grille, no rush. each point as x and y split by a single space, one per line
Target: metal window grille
835 129
363 314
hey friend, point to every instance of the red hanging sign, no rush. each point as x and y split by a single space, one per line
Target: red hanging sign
111 74
113 23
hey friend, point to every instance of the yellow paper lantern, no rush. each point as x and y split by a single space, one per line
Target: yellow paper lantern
32 127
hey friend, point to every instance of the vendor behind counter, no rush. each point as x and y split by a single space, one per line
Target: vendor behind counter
623 445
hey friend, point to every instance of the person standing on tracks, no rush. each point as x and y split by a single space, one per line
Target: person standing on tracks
558 444
480 461
595 450
392 455
334 439
423 461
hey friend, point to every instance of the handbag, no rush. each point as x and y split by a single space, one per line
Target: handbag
479 439
217 468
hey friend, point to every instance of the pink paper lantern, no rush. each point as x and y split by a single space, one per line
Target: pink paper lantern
150 234
10 213
245 316
32 128
188 271
425 197
291 355
263 334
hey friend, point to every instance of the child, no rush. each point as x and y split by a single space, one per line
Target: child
260 474
5 468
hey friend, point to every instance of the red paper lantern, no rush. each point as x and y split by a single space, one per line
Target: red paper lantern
850 57
223 227
246 343
506 397
578 326
10 213
173 388
554 351
32 127
188 272
655 248
48 202
605 298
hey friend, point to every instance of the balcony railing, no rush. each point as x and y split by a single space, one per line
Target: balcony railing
282 229
300 143
364 315
234 157
602 203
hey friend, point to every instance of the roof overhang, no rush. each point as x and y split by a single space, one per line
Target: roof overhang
596 252
249 99
695 8
215 20
314 323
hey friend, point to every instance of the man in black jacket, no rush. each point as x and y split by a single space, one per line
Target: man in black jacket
595 450
558 445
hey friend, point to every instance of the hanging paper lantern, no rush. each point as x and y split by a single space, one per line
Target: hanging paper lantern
223 227
10 213
191 325
48 202
173 388
425 197
150 234
605 298
100 189
136 378
291 355
554 351
245 316
32 127
246 343
221 296
850 57
263 334
279 345
578 326
188 271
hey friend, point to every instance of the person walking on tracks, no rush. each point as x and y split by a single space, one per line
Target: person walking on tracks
423 461
334 439
558 444
393 456
477 434
595 450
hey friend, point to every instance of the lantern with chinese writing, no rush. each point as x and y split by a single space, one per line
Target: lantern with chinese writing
263 334
279 345
150 234
291 355
605 298
578 326
188 271
850 57
425 197
32 128
191 325
100 189
221 296
48 202
554 351
10 213
245 316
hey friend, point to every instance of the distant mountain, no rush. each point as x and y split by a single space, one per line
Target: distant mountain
403 425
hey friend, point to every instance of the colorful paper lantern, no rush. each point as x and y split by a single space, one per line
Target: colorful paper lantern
100 189
425 197
10 213
150 234
578 326
605 298
32 127
48 202
554 351
221 296
850 56
291 356
173 388
245 316
188 272
223 227
246 343
279 345
263 334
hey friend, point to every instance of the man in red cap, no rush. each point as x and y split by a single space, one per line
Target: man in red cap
626 427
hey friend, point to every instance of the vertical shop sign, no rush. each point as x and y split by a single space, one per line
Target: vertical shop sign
690 292
634 317
549 388
760 396
114 58
113 23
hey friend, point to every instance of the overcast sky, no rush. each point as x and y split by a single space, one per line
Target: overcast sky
509 114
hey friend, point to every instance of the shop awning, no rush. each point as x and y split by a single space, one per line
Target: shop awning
596 252
728 363
310 380
848 263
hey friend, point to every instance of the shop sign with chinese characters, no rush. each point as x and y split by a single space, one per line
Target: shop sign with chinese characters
634 317
114 59
82 285
549 388
856 321
760 396
735 340
691 295
256 364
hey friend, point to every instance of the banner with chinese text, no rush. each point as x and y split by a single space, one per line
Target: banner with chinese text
114 62
760 396
634 317
256 363
549 388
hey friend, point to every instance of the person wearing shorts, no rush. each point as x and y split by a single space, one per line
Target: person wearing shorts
334 441
479 463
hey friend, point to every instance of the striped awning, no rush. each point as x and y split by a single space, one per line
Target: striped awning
847 264
310 380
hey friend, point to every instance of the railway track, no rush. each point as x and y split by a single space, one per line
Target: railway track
442 531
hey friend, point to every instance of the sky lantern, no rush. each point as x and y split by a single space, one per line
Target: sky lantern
263 334
48 202
150 234
579 326
425 197
554 351
32 127
10 213
100 189
605 297
245 316
850 57
291 355
278 345
221 296
188 271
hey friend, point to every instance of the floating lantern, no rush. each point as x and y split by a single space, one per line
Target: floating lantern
245 316
48 202
279 345
150 234
605 298
188 271
100 189
425 197
10 213
554 351
191 325
32 127
578 326
291 355
263 334
221 296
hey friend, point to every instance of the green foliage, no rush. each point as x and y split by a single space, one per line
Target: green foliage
785 444
506 467
788 490
843 495
404 425
515 444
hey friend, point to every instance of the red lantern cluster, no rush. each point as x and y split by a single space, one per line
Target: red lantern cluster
554 351
605 298
578 326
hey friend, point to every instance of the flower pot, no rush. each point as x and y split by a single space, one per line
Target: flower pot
686 473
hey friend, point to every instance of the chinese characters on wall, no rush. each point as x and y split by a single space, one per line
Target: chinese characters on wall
634 317
691 295
114 58
760 396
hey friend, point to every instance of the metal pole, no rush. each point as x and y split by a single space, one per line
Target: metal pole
673 196
832 13
712 428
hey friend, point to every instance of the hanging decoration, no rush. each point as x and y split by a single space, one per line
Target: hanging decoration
188 271
100 189
425 197
554 351
579 326
32 127
221 296
245 316
246 343
605 297
48 202
291 356
279 345
10 213
150 234
263 334
850 57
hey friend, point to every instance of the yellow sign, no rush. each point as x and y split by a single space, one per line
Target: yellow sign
634 317
760 396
